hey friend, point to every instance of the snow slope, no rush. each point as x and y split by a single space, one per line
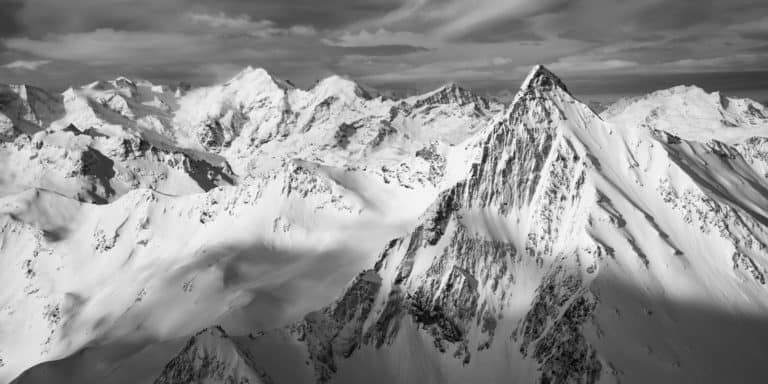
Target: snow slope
540 244
574 251
190 142
111 211
692 113
86 273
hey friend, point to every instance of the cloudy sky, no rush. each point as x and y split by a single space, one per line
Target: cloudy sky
600 47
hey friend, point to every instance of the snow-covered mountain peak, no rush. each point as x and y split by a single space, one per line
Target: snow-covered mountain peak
450 88
541 77
214 331
251 77
124 82
342 87
214 116
120 82
692 113
541 244
451 93
543 99
212 356
537 262
26 109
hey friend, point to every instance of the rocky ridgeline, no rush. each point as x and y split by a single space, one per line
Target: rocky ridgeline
212 356
755 151
517 268
25 110
456 279
99 169
134 134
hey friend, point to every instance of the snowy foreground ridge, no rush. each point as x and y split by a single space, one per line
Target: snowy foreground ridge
254 232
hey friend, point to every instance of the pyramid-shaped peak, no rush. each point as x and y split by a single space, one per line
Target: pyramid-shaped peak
453 88
252 71
216 330
257 76
336 83
451 93
212 357
342 86
542 78
124 82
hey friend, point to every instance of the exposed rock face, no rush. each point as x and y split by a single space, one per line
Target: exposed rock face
159 199
26 109
335 331
511 255
559 310
225 134
211 356
755 152
538 242
453 94
455 282
97 168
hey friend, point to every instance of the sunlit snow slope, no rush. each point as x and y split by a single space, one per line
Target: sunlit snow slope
132 214
542 243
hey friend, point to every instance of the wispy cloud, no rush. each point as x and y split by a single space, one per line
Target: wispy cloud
581 65
755 29
466 70
27 65
745 62
221 20
244 24
108 46
454 19
385 41
381 36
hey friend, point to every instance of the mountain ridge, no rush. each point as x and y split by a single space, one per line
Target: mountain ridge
548 245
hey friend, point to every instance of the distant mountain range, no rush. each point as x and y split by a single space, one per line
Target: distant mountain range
255 232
